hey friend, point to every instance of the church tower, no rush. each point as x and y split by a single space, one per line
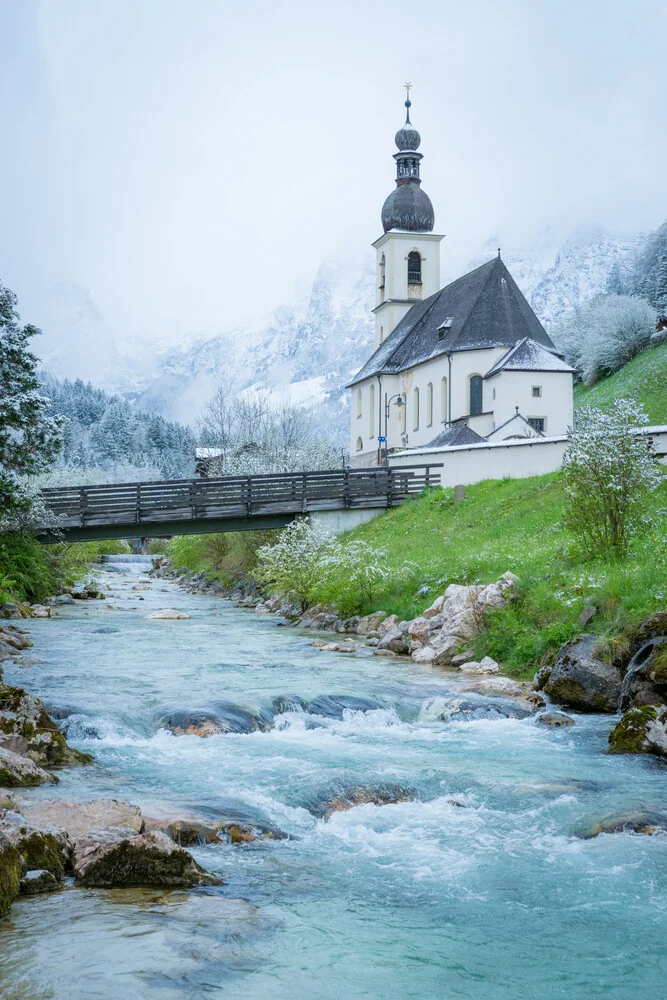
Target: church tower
408 253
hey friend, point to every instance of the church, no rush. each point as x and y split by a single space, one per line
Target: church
460 365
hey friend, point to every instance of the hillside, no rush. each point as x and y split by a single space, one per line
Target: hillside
516 525
643 379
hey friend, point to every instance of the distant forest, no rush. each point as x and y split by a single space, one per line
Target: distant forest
107 439
646 274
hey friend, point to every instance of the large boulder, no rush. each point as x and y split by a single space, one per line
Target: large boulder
352 797
39 847
581 681
642 729
21 772
455 619
79 818
634 821
120 856
223 717
645 681
10 875
27 729
370 623
395 642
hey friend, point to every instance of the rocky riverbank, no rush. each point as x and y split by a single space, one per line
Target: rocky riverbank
626 673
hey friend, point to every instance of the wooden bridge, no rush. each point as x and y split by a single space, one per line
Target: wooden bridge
231 503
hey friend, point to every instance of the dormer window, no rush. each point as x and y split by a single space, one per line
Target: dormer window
445 327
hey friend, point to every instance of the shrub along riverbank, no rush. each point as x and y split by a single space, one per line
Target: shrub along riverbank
29 571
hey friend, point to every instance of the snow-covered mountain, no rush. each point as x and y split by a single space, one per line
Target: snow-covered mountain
307 351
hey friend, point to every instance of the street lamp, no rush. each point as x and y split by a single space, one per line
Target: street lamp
399 402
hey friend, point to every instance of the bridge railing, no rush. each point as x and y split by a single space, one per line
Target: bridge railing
234 496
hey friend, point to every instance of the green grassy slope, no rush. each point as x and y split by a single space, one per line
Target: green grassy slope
643 379
516 525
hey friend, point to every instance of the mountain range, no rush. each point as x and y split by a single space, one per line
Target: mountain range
307 351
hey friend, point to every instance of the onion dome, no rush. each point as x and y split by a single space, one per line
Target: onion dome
408 207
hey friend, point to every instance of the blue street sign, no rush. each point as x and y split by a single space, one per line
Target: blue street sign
381 437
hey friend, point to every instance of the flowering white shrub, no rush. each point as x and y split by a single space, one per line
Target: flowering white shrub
608 472
600 336
294 564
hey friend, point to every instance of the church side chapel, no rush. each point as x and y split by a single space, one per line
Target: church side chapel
452 366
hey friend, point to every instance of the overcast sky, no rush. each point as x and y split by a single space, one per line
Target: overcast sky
192 161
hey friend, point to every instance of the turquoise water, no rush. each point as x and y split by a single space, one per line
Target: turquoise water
476 889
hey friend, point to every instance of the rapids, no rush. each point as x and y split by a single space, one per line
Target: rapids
477 889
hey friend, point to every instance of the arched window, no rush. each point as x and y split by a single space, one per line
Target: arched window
415 398
444 416
403 414
475 395
429 404
382 275
360 400
360 444
414 268
371 411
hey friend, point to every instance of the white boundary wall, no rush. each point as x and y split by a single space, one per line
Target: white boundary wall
467 464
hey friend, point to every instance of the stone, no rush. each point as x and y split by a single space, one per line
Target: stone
223 717
390 624
554 719
579 680
40 611
60 599
435 608
485 666
645 681
338 647
21 772
635 821
419 629
497 687
384 652
78 818
642 729
27 729
395 642
10 610
371 622
45 847
587 615
167 614
461 658
361 797
38 881
121 856
10 875
371 642
425 654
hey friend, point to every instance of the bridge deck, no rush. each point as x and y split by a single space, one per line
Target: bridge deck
230 503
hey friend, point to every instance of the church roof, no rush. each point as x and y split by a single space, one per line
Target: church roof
484 308
529 356
457 434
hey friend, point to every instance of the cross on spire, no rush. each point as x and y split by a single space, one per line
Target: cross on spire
408 102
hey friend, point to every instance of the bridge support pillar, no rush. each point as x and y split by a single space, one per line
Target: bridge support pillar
335 522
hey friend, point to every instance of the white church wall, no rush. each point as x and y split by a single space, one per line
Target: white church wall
391 302
473 463
554 404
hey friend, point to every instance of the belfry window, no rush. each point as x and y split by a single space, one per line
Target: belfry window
414 268
475 395
382 275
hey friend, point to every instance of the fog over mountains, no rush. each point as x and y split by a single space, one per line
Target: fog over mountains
305 351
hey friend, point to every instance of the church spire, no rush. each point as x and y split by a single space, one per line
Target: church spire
408 207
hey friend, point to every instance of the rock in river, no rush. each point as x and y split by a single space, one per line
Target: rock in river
645 682
642 729
578 679
120 856
555 719
78 818
21 772
36 882
167 614
10 875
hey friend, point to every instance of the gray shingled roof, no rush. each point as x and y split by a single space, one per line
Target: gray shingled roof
487 309
455 435
529 356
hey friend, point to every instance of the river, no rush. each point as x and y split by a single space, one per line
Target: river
476 889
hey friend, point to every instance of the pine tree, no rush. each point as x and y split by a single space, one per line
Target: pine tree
30 439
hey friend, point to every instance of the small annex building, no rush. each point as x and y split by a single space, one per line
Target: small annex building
454 365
